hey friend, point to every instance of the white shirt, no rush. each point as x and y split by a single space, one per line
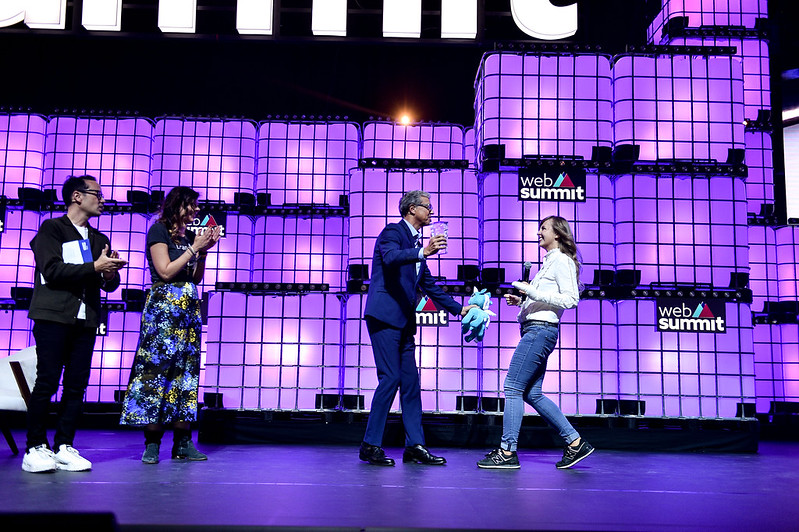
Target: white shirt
553 289
84 232
416 235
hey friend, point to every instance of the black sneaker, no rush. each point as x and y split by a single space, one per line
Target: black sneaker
572 455
496 459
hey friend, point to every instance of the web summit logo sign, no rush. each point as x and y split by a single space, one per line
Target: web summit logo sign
208 220
546 185
691 315
428 313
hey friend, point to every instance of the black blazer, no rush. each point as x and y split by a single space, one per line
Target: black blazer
392 287
66 284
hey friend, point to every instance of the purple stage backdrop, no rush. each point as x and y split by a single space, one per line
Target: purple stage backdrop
264 351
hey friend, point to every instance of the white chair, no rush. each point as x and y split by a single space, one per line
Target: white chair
17 377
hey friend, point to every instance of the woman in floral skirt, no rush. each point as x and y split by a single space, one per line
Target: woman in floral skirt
166 369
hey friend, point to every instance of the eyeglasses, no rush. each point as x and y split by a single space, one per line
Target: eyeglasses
96 193
428 206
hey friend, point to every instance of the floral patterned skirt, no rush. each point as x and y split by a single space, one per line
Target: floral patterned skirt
166 369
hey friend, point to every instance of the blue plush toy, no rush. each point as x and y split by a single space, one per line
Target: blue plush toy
477 319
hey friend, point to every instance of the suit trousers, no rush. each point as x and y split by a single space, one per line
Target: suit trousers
59 347
395 358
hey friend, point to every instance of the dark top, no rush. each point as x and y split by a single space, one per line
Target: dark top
393 284
159 234
66 285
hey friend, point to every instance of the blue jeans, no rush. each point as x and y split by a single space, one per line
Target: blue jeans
523 384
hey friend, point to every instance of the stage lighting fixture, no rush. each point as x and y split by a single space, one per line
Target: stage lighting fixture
624 156
631 407
134 299
213 400
607 406
604 277
493 276
405 120
746 410
466 403
628 278
468 273
739 279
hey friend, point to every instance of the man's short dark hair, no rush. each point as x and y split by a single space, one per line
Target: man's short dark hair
414 197
74 183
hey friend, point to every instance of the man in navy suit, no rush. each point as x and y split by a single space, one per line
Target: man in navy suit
398 270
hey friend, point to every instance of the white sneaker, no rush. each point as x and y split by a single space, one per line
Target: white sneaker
69 459
39 459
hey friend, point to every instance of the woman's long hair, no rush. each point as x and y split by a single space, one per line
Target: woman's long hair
566 242
178 197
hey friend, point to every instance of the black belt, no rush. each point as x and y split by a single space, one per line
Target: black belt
539 322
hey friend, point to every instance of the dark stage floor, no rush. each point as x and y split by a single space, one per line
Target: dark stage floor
326 487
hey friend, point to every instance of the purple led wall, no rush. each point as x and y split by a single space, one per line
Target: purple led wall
685 374
708 13
116 151
762 266
22 139
278 352
689 230
374 202
306 162
678 107
16 256
214 157
300 250
788 263
273 352
231 258
510 226
422 141
543 105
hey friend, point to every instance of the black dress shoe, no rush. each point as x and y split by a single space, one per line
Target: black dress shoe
374 455
420 455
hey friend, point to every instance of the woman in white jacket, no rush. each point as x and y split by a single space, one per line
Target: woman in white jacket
554 289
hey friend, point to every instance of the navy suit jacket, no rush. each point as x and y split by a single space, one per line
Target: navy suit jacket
392 287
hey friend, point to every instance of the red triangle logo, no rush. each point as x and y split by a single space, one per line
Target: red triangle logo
209 221
706 313
429 306
567 182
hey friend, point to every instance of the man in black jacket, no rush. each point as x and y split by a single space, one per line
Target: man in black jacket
73 262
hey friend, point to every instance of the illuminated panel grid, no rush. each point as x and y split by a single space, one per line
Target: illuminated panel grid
273 352
788 263
760 166
15 331
230 260
300 250
128 235
762 266
776 364
358 368
116 151
708 13
22 140
681 229
543 105
113 356
422 141
581 369
374 203
17 264
678 107
685 374
215 158
306 163
469 147
510 226
448 367
753 54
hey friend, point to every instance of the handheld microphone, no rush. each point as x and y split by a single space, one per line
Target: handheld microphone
526 267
